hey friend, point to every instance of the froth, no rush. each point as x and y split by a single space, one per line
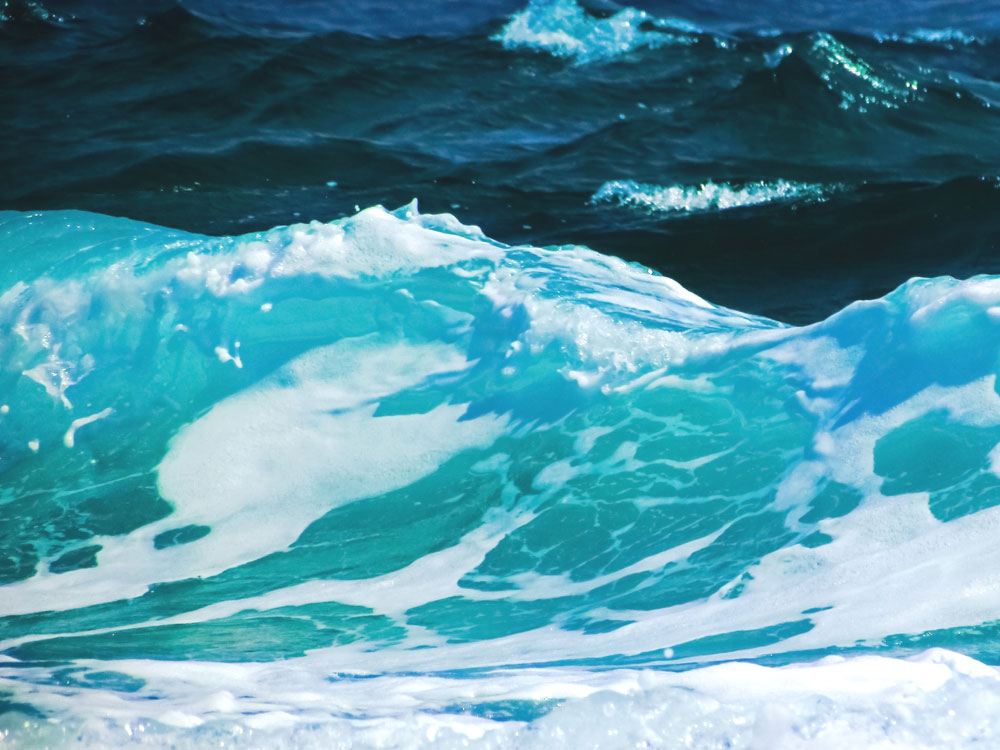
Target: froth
936 699
708 196
563 28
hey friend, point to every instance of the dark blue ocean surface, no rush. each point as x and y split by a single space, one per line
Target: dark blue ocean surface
230 117
508 374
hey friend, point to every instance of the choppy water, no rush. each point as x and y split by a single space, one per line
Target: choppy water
648 412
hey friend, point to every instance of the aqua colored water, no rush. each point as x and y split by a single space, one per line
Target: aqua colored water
499 376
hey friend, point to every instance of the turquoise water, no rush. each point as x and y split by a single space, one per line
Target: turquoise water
389 446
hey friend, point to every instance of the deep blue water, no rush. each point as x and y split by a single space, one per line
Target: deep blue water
225 118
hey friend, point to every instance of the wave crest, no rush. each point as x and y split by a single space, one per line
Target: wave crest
709 196
564 29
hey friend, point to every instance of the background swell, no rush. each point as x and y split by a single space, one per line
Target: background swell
223 118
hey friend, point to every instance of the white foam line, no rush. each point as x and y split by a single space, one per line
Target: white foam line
69 439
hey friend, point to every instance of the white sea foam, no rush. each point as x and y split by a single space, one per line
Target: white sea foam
263 464
933 700
708 196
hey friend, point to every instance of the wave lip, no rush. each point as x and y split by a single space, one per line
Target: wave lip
708 196
564 29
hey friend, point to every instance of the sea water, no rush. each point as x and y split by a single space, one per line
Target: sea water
478 471
384 478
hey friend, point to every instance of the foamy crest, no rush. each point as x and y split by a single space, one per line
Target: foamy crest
563 28
708 196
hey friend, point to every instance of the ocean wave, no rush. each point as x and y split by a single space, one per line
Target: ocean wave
391 445
708 196
808 63
545 328
856 81
565 29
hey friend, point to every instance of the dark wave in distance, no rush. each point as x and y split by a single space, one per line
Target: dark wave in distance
226 118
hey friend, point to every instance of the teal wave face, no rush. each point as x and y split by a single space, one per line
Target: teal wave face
209 440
